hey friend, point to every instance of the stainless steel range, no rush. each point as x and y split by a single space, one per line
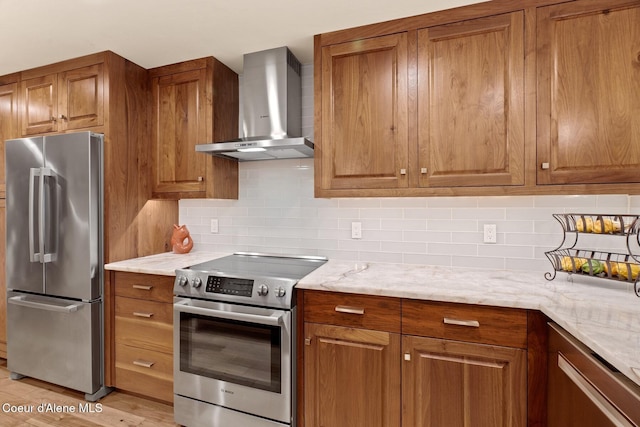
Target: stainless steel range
234 340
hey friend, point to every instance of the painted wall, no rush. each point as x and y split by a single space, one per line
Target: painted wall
276 212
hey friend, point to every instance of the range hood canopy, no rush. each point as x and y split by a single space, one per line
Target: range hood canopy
271 111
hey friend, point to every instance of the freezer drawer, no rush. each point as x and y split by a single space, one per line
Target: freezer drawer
55 340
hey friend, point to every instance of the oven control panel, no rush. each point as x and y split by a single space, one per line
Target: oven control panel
230 286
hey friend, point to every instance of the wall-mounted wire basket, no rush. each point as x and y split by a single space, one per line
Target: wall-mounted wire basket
622 267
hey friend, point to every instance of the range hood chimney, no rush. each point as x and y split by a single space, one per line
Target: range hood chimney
271 111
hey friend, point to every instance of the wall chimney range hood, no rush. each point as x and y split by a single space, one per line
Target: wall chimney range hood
270 113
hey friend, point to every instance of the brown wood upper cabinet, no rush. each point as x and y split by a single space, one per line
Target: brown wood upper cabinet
194 102
364 110
589 92
69 100
466 128
471 102
495 98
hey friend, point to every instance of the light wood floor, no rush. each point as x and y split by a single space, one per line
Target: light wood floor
118 409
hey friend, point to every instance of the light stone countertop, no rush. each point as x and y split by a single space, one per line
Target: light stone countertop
164 264
603 314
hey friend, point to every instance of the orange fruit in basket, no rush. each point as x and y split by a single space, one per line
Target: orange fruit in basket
585 225
613 266
568 265
623 271
606 226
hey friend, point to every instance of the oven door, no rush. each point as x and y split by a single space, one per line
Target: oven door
232 355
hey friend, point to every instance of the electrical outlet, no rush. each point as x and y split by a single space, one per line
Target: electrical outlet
490 233
214 225
356 230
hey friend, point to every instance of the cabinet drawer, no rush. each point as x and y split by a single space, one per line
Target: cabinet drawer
462 322
146 324
146 372
144 286
359 311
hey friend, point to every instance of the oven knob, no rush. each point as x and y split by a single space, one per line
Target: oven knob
196 282
280 291
182 281
263 290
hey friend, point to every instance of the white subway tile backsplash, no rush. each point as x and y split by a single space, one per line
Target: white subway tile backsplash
452 249
427 213
277 212
479 213
395 258
477 262
452 202
452 225
404 247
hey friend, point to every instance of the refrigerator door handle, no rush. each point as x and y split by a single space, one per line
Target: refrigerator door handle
44 257
33 255
22 300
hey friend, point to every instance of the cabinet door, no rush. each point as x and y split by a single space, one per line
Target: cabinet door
179 123
39 100
81 98
457 384
471 103
352 377
8 124
364 114
589 92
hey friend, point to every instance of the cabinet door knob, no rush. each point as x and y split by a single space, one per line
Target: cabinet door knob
545 165
423 170
403 171
53 119
63 117
200 178
407 357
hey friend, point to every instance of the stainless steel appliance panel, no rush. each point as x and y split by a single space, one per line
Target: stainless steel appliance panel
55 340
235 356
22 239
194 413
72 207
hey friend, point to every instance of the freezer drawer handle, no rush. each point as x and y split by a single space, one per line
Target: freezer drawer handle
143 287
22 300
143 363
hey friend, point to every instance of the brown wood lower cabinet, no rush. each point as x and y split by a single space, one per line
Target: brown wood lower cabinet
452 383
352 377
144 334
469 367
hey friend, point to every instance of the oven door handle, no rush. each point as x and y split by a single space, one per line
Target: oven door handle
276 319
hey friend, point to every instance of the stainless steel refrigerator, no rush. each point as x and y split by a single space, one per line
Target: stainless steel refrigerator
54 261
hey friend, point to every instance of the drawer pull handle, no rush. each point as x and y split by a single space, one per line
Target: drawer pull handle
143 287
140 314
143 363
469 323
349 310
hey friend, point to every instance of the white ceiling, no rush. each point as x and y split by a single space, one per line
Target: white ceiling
159 32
